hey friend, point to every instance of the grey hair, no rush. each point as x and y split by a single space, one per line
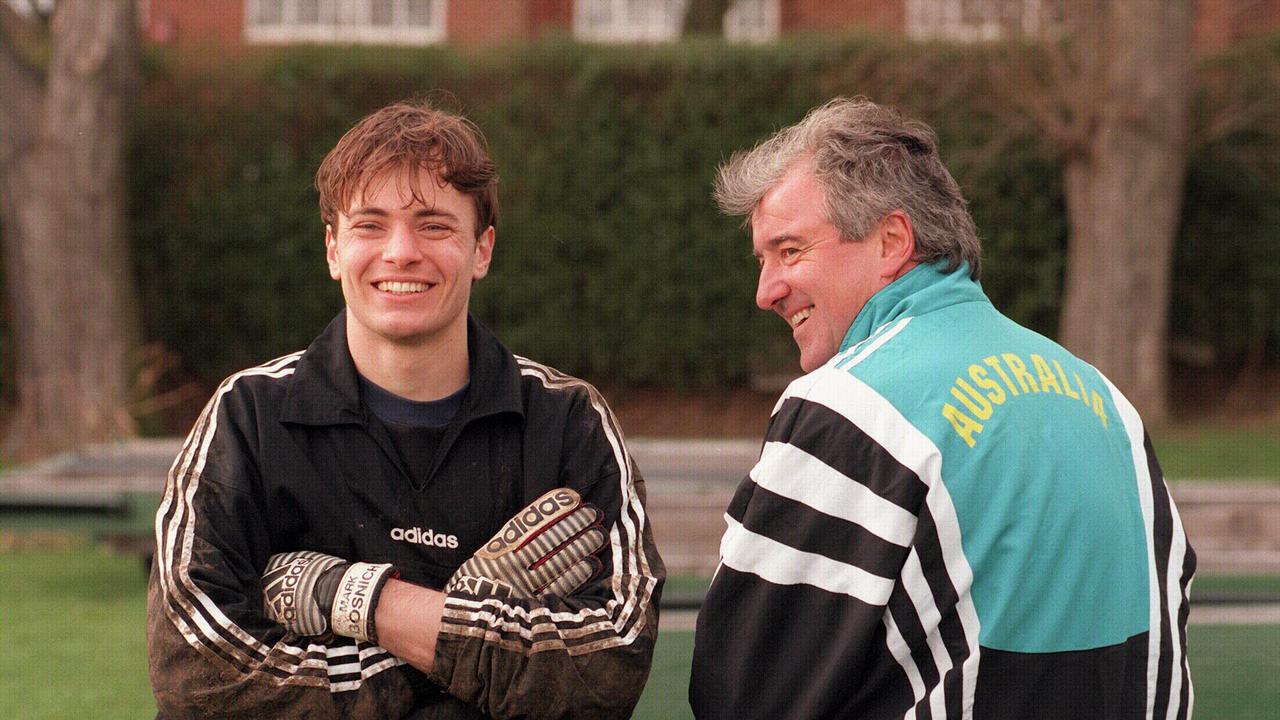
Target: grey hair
870 161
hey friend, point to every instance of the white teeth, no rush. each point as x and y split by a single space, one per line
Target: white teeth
800 317
401 287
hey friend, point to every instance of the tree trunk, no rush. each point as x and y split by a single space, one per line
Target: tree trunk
67 277
1124 185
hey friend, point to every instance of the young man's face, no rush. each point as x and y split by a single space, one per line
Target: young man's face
406 266
813 279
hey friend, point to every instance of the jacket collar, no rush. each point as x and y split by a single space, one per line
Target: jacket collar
924 288
325 390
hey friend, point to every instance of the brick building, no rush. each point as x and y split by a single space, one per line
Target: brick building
236 22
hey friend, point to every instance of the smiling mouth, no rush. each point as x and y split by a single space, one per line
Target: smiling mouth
799 317
401 288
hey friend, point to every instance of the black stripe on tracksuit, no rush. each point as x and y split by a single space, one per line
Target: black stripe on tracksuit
1163 531
806 645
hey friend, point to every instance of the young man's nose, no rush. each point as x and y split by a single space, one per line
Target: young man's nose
402 247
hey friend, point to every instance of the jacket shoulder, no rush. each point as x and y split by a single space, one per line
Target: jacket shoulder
254 389
545 383
567 412
266 375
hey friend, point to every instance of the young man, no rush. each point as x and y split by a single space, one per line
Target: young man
951 516
405 519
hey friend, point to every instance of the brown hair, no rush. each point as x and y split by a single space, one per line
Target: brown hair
408 135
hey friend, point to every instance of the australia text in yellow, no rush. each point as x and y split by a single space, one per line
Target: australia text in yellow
998 378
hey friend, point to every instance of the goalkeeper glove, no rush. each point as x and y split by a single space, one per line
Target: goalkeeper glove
311 593
547 548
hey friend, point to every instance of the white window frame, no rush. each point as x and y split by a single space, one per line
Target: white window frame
948 19
23 7
622 21
753 21
344 21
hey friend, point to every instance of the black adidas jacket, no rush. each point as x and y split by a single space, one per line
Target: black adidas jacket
285 457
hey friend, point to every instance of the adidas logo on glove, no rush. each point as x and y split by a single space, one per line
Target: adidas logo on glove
531 520
427 537
548 547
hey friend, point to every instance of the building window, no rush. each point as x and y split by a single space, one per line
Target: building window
374 22
628 20
753 20
982 20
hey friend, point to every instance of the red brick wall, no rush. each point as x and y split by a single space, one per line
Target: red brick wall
1257 17
551 15
207 22
1214 23
1219 23
479 21
836 15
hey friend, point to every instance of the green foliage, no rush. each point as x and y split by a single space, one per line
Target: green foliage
1227 265
612 261
137 520
228 246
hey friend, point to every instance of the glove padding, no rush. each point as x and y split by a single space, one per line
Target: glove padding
311 593
547 548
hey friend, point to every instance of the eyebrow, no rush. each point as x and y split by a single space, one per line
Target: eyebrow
774 242
420 213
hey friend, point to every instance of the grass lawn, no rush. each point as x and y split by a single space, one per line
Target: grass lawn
1233 669
72 621
73 636
71 629
1236 586
666 697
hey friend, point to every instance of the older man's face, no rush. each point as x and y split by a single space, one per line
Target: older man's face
815 280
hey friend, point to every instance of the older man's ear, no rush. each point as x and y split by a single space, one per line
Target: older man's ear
897 245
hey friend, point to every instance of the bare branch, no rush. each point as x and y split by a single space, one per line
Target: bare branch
1041 101
25 36
20 85
1234 101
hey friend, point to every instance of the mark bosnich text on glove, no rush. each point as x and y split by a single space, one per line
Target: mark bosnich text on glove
355 599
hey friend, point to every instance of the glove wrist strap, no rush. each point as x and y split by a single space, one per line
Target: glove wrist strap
357 599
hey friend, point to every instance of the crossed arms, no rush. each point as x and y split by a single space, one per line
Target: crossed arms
215 651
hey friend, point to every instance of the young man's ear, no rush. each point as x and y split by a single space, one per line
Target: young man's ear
484 253
897 245
331 252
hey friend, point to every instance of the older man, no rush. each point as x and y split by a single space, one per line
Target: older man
951 516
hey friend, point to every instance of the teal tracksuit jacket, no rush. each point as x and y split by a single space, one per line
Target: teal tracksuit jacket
953 518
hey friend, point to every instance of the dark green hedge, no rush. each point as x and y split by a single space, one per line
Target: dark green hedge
1226 295
612 261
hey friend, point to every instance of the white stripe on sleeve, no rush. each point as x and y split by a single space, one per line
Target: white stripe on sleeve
782 564
793 473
